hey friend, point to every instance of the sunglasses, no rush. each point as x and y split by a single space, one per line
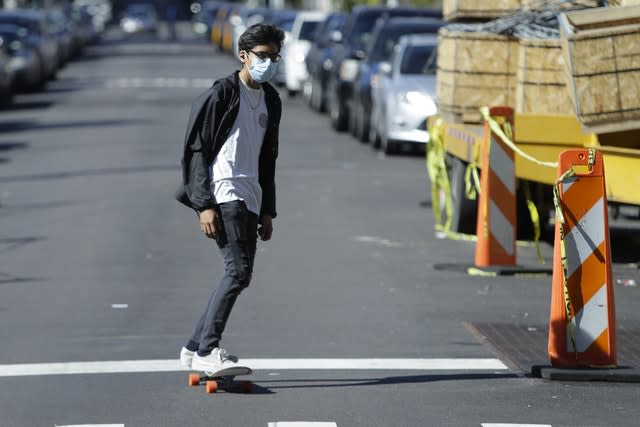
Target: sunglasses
274 57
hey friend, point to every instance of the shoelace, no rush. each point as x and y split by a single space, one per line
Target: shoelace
223 355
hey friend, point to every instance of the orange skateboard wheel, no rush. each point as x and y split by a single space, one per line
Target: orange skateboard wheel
194 380
211 386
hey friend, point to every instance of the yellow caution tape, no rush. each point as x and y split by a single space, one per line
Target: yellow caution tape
563 251
472 177
437 169
535 220
507 139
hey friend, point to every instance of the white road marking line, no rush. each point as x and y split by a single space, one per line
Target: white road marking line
515 425
377 364
145 366
301 424
92 425
119 306
157 82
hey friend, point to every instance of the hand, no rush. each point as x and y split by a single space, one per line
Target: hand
209 223
265 230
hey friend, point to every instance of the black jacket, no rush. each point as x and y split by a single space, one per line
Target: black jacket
212 115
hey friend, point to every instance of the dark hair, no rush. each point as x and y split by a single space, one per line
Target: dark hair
260 34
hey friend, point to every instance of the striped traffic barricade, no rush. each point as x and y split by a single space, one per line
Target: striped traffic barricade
496 226
582 315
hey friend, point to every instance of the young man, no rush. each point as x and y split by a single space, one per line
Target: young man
228 174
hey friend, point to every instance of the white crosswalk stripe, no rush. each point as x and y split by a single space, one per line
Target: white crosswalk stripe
91 425
157 83
140 366
514 425
301 424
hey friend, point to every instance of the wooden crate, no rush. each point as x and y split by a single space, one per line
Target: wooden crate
624 2
575 4
602 54
541 84
474 70
478 9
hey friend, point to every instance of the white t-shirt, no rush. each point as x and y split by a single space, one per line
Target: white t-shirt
234 172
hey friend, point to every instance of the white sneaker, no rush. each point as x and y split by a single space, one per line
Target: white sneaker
218 359
186 357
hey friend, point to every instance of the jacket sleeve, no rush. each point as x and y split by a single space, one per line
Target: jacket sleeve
196 192
268 156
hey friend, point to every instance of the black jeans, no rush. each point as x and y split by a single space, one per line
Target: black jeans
237 243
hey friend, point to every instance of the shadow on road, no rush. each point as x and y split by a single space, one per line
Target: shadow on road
90 172
7 279
26 125
372 382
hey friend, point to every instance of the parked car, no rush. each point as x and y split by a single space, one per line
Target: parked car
404 94
248 17
233 19
140 18
38 36
350 49
218 23
60 26
86 31
297 48
318 59
24 59
202 20
383 40
283 19
6 80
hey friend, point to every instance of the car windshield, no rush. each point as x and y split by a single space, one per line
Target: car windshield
362 30
308 30
419 60
386 41
323 35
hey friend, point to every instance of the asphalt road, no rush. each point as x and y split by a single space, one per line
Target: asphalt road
98 263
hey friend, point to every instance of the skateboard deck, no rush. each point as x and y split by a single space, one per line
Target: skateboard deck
222 380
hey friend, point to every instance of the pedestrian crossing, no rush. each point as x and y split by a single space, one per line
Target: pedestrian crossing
318 424
147 366
157 83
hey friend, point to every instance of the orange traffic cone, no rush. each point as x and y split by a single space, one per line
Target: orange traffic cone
496 226
582 323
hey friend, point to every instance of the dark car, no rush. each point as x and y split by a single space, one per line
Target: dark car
318 60
350 50
25 61
202 20
60 26
384 39
38 36
6 80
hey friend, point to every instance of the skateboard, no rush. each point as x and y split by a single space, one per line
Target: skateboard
222 380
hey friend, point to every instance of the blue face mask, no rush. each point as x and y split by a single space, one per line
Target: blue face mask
262 70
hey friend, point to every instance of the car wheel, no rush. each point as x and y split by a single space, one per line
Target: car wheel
363 126
322 97
353 120
464 215
337 114
390 146
374 136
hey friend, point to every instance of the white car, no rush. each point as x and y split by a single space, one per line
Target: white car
297 48
403 94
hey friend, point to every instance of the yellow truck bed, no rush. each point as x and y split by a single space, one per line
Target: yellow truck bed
544 137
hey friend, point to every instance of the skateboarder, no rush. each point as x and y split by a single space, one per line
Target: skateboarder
228 165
